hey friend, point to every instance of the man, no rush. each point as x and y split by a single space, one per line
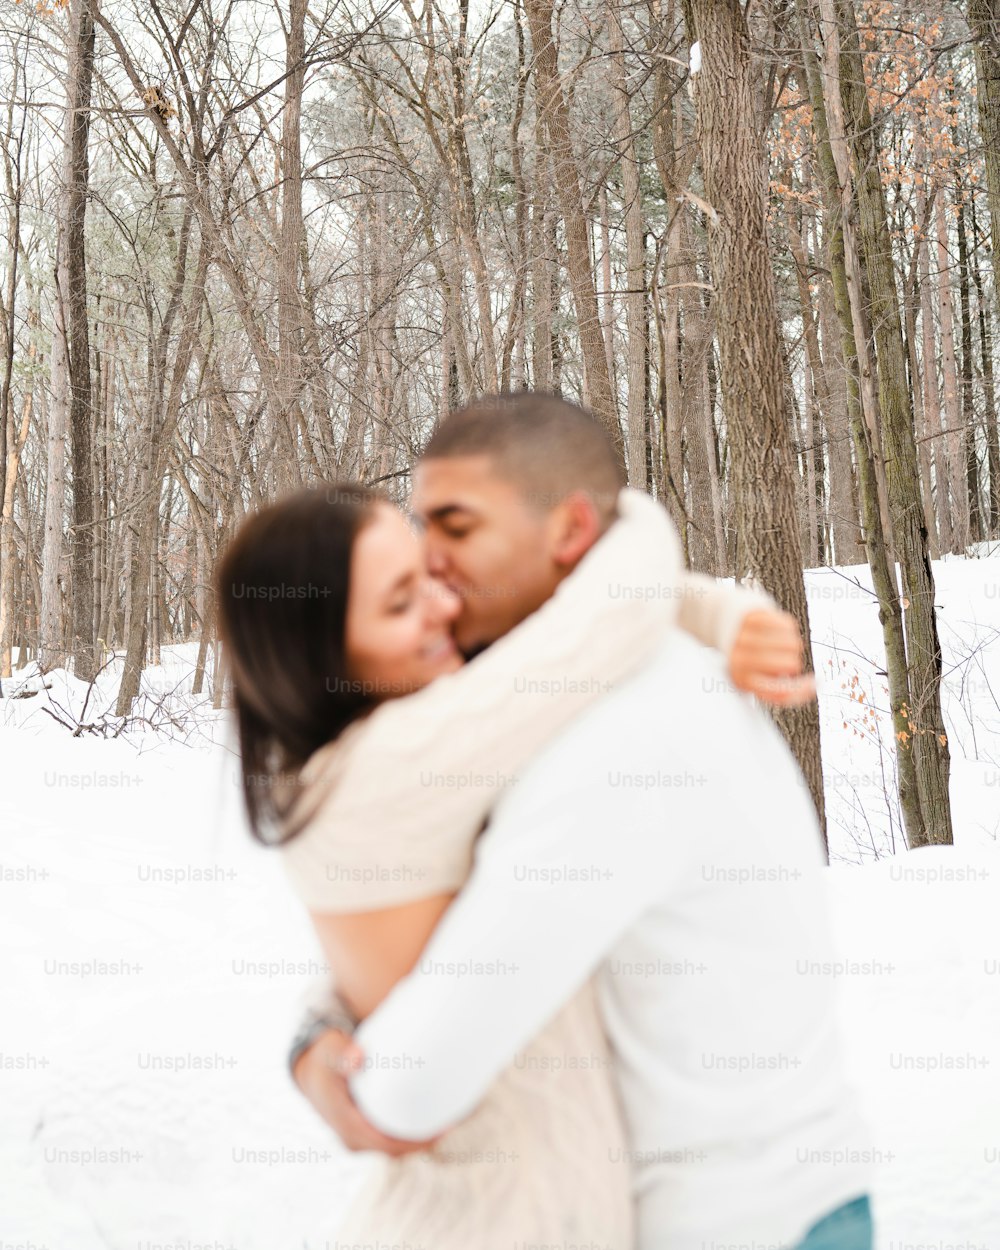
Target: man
667 840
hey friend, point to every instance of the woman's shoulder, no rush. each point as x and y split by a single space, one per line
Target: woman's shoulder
370 832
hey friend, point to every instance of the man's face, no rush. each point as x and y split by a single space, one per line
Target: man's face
487 543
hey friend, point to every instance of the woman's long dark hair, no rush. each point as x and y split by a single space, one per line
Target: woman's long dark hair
281 589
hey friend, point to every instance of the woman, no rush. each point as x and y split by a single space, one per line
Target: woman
376 755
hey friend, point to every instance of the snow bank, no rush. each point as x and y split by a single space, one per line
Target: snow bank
153 959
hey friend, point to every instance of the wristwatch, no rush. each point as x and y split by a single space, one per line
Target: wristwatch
312 1028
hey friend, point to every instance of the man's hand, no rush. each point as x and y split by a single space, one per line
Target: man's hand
768 659
321 1073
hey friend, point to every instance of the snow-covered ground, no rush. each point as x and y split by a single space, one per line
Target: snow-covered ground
152 960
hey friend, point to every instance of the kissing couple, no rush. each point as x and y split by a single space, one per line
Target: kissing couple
566 873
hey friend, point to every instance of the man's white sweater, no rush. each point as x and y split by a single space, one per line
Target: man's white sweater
666 839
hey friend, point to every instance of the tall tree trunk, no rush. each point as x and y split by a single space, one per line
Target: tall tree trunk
513 368
291 240
833 161
460 172
51 640
551 103
669 408
696 409
15 441
910 304
957 524
635 265
923 648
542 264
164 403
12 439
810 482
81 74
669 139
985 321
831 399
932 452
969 451
984 21
607 294
734 166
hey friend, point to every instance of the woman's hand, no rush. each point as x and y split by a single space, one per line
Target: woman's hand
322 1074
768 659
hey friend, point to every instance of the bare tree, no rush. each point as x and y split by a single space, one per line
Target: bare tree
734 166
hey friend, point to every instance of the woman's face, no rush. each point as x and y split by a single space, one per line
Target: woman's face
398 629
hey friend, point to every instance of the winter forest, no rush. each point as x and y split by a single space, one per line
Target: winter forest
250 245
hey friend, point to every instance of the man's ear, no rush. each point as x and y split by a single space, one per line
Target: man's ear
574 527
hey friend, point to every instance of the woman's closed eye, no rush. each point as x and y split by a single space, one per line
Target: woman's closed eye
402 594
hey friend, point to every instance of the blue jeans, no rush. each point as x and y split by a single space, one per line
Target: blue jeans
847 1228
